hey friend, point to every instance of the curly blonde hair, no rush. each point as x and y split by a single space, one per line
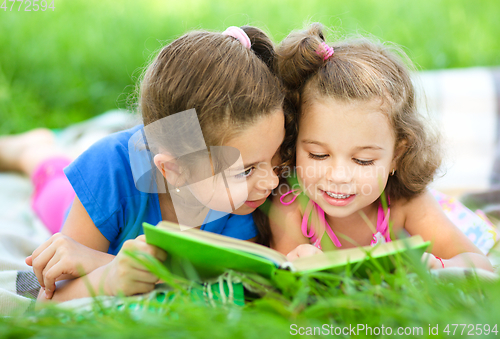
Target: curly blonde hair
362 69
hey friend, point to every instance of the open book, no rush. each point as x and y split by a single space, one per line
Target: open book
211 254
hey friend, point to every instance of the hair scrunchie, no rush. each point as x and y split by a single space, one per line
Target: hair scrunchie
239 34
324 51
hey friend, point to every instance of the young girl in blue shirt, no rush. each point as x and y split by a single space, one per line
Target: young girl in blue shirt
228 80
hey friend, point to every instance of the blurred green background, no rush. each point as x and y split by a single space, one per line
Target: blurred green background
63 66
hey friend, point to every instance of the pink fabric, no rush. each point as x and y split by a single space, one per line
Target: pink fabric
239 34
53 193
312 207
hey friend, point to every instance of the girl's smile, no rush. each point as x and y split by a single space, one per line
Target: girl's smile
338 199
256 203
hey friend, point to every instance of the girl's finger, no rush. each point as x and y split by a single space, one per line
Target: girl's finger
44 293
427 258
41 261
292 255
43 246
136 287
51 273
159 253
142 238
145 277
156 252
134 265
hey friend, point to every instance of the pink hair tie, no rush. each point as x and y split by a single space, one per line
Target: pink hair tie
239 34
325 51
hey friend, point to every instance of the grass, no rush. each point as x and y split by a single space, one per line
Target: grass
63 66
410 299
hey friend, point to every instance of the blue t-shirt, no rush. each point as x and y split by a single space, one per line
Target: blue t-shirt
103 181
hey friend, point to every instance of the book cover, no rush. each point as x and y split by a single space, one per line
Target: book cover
211 254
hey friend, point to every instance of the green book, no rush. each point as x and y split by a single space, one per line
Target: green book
211 254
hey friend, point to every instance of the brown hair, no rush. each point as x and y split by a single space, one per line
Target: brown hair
361 69
228 85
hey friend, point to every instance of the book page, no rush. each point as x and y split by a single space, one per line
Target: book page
341 257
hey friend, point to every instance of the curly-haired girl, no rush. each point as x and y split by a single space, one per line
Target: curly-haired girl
227 79
360 138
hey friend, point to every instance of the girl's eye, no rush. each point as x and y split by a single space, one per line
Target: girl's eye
318 156
363 162
245 174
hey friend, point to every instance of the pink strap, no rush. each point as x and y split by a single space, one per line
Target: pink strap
323 226
287 193
329 230
305 220
383 223
239 34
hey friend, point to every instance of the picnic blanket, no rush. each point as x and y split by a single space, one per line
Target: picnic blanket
21 232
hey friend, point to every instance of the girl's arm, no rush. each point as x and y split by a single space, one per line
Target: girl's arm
80 227
285 222
424 216
79 249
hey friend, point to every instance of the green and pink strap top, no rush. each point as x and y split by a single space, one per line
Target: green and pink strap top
381 233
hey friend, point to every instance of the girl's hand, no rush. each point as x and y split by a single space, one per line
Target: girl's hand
304 250
61 258
433 263
126 275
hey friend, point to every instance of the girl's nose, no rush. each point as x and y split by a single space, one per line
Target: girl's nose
339 173
269 182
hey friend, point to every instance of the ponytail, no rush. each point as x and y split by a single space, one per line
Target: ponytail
262 46
297 57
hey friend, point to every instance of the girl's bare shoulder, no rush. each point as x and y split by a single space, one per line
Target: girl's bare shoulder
417 204
420 213
404 209
285 207
285 220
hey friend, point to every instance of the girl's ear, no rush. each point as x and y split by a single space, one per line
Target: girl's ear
398 152
169 168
